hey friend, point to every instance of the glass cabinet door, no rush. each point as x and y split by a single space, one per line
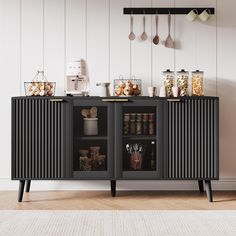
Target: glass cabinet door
138 150
93 140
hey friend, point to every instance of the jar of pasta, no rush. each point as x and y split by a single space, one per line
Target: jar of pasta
183 82
197 83
168 78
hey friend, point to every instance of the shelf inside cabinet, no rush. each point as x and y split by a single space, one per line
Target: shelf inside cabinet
139 137
92 138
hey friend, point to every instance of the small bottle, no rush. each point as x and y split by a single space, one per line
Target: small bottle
138 127
152 156
132 127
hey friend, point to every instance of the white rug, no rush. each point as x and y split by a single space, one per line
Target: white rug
109 223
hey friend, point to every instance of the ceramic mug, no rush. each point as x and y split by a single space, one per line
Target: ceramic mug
204 16
152 91
192 15
175 91
162 91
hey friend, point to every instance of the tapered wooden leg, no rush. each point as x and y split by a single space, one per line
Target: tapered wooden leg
27 188
21 190
113 188
200 185
208 190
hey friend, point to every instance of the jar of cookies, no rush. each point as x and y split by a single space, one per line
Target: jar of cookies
168 80
197 83
183 82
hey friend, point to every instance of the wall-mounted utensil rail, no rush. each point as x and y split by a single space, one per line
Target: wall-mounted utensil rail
165 11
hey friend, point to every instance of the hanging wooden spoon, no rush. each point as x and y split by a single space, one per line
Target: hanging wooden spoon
132 35
144 35
169 43
156 39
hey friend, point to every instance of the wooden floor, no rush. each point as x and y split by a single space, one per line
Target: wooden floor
91 200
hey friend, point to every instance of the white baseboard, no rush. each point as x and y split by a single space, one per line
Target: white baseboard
47 185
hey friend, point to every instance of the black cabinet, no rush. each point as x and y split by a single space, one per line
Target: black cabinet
128 139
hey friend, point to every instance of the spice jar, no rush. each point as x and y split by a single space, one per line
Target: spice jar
139 127
132 116
126 127
197 83
145 116
139 116
151 127
168 78
145 127
132 127
127 117
182 82
151 116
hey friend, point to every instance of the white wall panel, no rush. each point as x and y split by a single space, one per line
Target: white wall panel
10 75
98 47
31 38
162 57
54 42
193 52
75 30
119 42
226 84
141 50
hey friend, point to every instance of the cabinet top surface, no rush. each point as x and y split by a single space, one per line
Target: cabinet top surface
129 98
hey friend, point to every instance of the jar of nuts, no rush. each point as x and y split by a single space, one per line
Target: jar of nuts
168 78
182 82
197 83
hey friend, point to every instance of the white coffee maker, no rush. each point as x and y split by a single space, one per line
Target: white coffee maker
77 83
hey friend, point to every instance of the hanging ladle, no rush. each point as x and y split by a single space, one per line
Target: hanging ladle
144 35
156 39
132 35
169 43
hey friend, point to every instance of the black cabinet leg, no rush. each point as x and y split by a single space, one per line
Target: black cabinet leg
209 190
200 185
27 188
113 188
21 190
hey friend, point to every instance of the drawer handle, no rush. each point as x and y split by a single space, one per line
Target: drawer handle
174 100
115 100
56 100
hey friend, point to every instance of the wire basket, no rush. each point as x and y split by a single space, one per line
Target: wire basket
127 87
39 86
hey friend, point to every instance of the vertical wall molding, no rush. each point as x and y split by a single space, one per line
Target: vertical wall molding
20 43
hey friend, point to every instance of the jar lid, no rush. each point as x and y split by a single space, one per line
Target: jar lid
197 71
168 71
182 71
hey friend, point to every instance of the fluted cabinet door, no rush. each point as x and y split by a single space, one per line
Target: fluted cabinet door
192 139
41 138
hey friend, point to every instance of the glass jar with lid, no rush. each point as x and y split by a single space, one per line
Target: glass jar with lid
197 83
183 82
168 78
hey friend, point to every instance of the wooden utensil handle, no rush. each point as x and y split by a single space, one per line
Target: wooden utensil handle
169 22
144 23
